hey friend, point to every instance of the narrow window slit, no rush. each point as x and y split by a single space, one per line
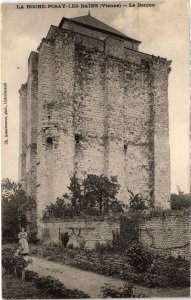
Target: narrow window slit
49 140
77 138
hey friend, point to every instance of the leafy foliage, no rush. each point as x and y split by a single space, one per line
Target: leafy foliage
126 291
100 192
137 203
93 196
11 262
180 201
54 287
15 203
178 277
31 276
59 209
8 260
103 248
75 193
140 258
109 263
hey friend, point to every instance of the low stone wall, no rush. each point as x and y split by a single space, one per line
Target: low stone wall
169 235
87 232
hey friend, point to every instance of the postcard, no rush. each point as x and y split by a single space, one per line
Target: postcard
95 149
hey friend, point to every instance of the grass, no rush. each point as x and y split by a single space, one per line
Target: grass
15 288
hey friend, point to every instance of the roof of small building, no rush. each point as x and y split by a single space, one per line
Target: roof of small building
91 22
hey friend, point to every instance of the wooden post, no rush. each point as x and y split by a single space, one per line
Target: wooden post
59 236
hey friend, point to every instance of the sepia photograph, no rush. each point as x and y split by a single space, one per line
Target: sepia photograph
95 135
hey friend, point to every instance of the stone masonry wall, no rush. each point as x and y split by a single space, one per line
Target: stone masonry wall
89 112
23 135
168 235
100 108
99 113
45 95
32 121
128 126
158 72
55 133
87 232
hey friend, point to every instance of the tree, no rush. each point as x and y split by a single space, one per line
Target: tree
75 193
59 209
93 196
15 204
100 192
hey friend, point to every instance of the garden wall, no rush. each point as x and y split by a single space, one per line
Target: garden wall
88 232
167 234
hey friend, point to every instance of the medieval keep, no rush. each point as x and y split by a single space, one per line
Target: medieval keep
94 104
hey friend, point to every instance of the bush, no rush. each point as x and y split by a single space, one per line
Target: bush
180 201
31 276
12 263
9 260
139 258
126 291
56 289
102 248
64 238
137 203
178 262
154 280
178 277
71 246
33 238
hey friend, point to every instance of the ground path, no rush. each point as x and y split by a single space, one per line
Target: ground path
90 282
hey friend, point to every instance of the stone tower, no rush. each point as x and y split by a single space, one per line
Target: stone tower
94 104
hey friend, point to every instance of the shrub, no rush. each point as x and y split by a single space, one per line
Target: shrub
31 276
11 262
178 277
140 258
178 262
8 260
59 209
21 263
180 201
33 238
56 289
137 203
126 291
64 238
154 280
71 246
102 248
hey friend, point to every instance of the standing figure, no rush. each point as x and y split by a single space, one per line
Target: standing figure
23 241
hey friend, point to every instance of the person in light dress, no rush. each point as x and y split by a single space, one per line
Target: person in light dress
23 241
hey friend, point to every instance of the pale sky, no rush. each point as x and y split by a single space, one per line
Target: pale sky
163 30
